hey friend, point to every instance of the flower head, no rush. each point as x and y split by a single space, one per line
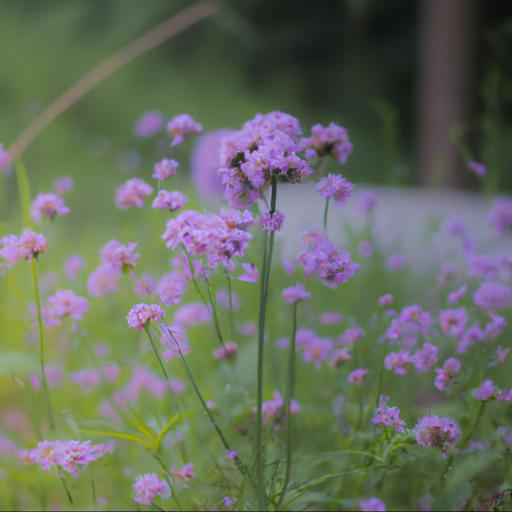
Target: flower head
165 169
63 185
477 167
294 294
439 433
226 352
118 256
388 416
500 216
148 487
141 315
271 221
171 201
335 187
485 392
357 376
24 247
132 194
149 124
329 140
182 126
492 296
372 505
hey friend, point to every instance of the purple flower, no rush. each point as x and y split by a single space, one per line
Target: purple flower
295 294
5 160
500 216
331 265
165 169
182 126
73 266
396 261
273 410
446 374
149 124
477 167
63 185
24 247
436 432
331 318
483 267
340 356
329 140
66 456
88 379
457 295
250 274
473 335
175 342
365 249
141 315
194 313
118 256
492 296
132 194
226 352
411 322
367 202
453 321
144 285
485 392
65 303
205 164
48 205
316 350
336 187
386 300
148 487
184 473
357 376
372 505
502 353
398 362
103 280
388 416
426 358
171 287
171 201
271 221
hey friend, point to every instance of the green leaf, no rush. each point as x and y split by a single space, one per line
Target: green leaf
177 417
119 435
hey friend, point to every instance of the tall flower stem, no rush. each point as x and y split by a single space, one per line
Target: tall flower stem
290 385
265 279
44 381
241 467
481 410
230 299
66 489
155 351
326 214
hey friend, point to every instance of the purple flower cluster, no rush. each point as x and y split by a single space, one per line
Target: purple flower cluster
171 201
219 238
165 169
335 187
446 375
267 147
66 456
386 416
330 141
141 315
65 303
500 216
182 126
294 294
24 247
148 487
48 205
149 124
132 194
273 410
372 505
324 259
436 432
409 324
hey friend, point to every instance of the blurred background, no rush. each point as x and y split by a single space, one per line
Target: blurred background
422 86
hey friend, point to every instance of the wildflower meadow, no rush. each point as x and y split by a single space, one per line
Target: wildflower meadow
188 350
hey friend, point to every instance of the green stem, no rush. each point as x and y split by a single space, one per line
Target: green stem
265 279
44 381
213 304
166 473
326 213
238 462
155 351
230 298
288 400
68 494
475 425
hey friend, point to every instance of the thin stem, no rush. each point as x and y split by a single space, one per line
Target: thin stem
265 279
223 439
213 304
155 351
44 381
167 472
326 214
68 494
230 299
290 385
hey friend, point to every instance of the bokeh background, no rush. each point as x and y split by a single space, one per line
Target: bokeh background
421 85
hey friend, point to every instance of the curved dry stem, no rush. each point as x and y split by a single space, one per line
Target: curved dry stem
151 39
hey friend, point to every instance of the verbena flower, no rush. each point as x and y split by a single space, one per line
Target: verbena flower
148 487
483 267
73 265
132 194
63 185
426 358
266 147
171 287
398 362
396 261
171 201
331 265
5 160
65 303
492 296
175 342
184 473
357 376
372 505
88 379
24 247
411 322
273 410
340 356
70 457
331 318
446 374
453 321
335 187
226 352
477 167
436 432
144 285
294 294
165 169
182 126
457 295
386 300
251 273
149 124
500 216
141 315
330 141
386 416
192 314
485 392
103 280
271 222
118 256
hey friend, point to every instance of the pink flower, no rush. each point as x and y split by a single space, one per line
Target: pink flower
453 322
48 205
118 256
5 160
194 313
165 169
339 357
144 285
502 353
425 358
149 124
440 433
477 167
175 342
251 273
388 416
385 300
103 280
171 287
148 487
182 126
25 247
141 315
398 362
335 187
271 222
73 266
63 185
357 376
295 294
132 194
88 379
184 473
485 392
66 303
226 352
396 261
457 295
331 318
273 410
446 374
171 201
